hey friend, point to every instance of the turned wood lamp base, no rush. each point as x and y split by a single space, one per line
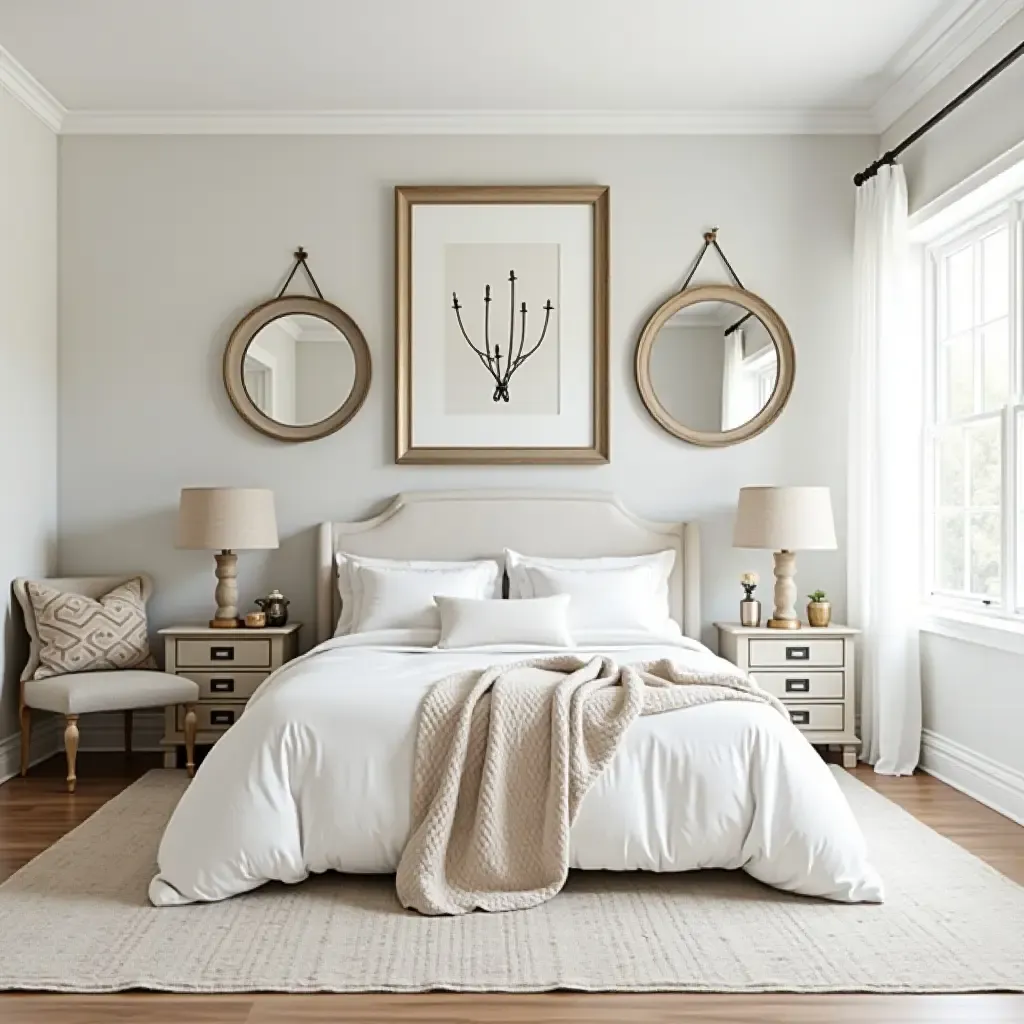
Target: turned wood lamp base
784 615
226 593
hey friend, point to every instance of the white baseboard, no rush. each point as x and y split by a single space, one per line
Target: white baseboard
100 732
989 782
46 741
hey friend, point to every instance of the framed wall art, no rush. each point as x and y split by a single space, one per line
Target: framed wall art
502 324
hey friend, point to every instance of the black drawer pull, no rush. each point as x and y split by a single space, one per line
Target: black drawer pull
798 654
222 717
800 717
222 654
222 686
798 686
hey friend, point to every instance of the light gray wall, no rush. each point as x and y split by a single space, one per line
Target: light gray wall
324 374
972 694
755 337
985 127
281 346
975 697
687 364
28 370
167 241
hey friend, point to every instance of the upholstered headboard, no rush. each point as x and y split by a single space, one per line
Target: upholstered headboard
480 524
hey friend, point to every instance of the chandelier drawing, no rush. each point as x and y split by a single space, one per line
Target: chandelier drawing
491 357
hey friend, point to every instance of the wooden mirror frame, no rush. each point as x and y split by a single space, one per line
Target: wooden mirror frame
783 347
258 318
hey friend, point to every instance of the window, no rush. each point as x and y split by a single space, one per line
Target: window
975 429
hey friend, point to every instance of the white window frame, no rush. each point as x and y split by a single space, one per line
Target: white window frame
1008 609
763 369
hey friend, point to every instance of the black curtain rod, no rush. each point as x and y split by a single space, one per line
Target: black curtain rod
890 157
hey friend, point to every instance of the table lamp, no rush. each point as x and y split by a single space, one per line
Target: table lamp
226 520
784 520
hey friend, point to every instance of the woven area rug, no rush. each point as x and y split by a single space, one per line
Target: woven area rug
76 919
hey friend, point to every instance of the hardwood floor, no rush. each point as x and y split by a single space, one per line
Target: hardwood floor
36 811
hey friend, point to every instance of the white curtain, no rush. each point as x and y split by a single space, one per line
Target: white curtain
735 400
884 483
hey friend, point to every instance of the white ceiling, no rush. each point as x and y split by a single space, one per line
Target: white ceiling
811 58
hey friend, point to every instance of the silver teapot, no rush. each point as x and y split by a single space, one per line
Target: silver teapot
275 606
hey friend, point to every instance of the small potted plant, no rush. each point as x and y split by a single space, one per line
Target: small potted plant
750 607
819 611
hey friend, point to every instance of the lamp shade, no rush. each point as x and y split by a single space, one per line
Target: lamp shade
784 519
226 518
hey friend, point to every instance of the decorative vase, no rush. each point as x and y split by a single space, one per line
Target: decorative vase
819 613
750 612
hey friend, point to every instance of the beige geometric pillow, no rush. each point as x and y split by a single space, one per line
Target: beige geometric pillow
82 634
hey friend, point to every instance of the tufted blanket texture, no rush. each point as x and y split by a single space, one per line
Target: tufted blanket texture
504 757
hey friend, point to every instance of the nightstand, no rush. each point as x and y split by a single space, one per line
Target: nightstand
228 665
810 670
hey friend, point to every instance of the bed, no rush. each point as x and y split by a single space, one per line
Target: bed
316 774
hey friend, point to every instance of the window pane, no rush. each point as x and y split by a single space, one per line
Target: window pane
996 355
950 453
986 558
995 281
984 451
957 377
960 291
984 491
949 551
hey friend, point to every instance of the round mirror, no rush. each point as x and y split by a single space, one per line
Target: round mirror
297 368
715 365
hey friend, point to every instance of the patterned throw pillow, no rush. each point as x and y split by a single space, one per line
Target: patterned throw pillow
80 634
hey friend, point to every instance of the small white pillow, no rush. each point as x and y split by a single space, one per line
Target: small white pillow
540 621
350 588
621 599
404 598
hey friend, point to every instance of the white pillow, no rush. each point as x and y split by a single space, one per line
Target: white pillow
623 599
540 621
404 598
350 587
519 585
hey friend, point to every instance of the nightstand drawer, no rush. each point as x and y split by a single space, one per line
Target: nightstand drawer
806 685
226 685
213 717
254 653
817 717
788 651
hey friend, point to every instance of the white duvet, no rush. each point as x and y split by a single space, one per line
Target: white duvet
317 773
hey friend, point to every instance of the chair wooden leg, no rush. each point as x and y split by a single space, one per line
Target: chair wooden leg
71 748
26 737
127 732
190 739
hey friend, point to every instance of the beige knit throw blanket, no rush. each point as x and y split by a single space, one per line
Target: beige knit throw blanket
504 757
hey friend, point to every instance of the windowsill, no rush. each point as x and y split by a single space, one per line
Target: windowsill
984 630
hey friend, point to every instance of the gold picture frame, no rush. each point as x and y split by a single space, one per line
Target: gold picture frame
407 198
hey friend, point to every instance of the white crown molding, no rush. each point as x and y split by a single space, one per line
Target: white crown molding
22 86
291 329
945 43
470 122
